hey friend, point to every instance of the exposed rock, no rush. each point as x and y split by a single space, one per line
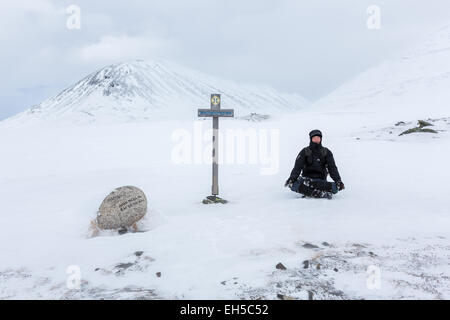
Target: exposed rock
158 274
124 266
214 199
284 297
418 129
310 246
122 208
306 264
400 123
280 266
429 130
423 123
139 253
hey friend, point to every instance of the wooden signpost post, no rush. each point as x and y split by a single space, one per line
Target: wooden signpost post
215 112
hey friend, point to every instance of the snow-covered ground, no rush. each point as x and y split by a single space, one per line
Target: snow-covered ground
394 215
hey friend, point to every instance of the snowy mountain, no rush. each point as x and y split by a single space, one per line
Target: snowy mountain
415 83
138 90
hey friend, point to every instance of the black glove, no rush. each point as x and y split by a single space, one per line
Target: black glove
340 185
289 182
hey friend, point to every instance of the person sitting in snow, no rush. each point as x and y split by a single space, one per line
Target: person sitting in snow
314 163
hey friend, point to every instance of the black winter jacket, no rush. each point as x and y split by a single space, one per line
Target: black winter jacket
316 165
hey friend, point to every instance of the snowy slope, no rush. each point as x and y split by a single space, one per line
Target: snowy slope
138 91
415 83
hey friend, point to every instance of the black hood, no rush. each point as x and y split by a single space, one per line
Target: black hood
312 145
315 133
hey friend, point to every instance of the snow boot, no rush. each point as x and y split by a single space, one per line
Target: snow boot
322 194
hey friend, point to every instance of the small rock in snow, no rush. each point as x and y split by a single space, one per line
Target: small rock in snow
310 246
124 265
284 297
280 266
423 123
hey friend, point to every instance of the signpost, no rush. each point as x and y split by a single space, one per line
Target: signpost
215 112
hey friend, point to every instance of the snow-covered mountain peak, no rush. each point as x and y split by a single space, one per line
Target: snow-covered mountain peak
152 90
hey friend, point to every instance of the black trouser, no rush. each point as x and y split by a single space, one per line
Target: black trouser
313 187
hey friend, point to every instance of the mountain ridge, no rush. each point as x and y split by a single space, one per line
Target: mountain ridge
144 90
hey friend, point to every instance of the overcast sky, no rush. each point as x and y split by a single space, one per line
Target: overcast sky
306 47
